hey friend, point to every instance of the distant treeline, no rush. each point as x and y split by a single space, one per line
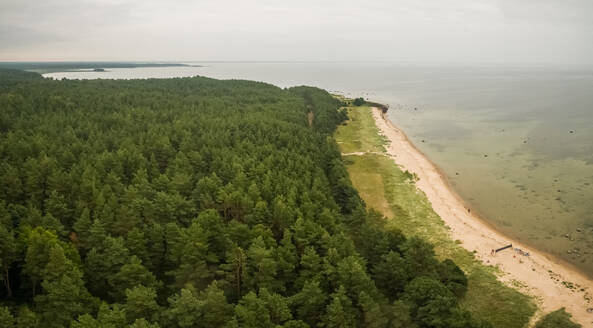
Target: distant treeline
47 67
194 202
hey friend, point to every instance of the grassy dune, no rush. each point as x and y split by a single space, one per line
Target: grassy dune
386 188
360 133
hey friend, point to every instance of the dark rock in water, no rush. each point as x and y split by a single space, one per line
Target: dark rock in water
422 140
567 236
524 141
571 131
456 173
99 70
485 155
579 230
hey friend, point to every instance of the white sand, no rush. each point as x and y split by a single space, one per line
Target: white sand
475 234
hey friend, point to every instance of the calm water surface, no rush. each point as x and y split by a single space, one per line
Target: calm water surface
516 143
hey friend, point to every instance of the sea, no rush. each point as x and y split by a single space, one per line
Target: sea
516 143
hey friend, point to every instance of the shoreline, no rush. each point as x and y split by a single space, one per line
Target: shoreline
542 275
478 215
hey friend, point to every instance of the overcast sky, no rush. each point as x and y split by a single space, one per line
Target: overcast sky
454 31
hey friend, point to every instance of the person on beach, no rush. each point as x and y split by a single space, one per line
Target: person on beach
492 252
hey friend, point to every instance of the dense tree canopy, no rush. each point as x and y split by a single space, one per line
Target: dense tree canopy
195 202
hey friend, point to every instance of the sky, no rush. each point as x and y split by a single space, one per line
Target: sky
547 32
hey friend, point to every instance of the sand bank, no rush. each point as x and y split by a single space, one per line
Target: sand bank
542 275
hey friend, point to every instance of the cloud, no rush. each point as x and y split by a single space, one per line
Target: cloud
570 12
502 31
18 37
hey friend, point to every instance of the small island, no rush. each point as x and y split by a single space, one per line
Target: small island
98 70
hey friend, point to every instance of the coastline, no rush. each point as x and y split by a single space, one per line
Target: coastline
542 275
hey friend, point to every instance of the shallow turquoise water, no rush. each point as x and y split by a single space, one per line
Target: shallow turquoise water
516 143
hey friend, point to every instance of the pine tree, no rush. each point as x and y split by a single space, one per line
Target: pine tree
104 262
287 260
372 312
309 303
143 323
391 275
216 312
310 266
108 317
261 268
430 301
277 306
6 318
96 234
8 255
136 243
130 275
251 312
353 277
339 313
39 243
184 309
141 304
191 256
419 256
234 267
65 295
26 318
82 227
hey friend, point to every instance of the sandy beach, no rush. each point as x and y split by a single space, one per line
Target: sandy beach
542 275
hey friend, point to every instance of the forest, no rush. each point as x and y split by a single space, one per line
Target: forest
194 202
